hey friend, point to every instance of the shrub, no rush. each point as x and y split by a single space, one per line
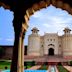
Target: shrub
6 67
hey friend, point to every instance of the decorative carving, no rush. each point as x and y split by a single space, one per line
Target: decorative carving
27 13
30 11
26 19
42 4
48 2
53 2
35 7
59 4
71 11
25 26
5 6
66 7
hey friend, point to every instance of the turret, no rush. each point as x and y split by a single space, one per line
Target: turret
67 42
34 43
67 31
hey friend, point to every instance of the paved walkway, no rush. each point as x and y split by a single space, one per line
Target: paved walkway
50 68
34 67
56 69
69 68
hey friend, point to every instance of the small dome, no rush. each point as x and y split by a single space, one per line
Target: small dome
67 28
35 29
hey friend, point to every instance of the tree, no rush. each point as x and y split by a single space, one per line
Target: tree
2 51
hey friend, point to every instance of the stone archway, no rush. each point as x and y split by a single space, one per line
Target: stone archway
51 51
21 16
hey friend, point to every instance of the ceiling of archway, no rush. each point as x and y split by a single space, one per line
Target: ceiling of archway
25 4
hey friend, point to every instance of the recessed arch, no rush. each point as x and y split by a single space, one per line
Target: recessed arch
51 51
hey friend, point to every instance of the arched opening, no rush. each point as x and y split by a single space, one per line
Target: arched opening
46 21
51 51
65 6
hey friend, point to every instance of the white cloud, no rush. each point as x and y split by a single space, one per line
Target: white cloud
47 25
37 14
9 39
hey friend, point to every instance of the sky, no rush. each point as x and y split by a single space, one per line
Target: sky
47 20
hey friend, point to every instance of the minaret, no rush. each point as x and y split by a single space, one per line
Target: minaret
34 43
67 31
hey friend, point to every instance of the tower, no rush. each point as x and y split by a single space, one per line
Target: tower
34 43
67 42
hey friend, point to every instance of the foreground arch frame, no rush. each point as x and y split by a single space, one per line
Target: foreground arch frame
23 9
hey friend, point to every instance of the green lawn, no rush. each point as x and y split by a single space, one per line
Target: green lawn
28 64
7 63
4 64
62 69
44 67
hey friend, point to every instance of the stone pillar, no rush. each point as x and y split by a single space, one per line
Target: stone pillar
19 55
21 52
17 65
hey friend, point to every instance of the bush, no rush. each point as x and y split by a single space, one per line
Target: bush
2 52
62 69
6 67
59 64
70 63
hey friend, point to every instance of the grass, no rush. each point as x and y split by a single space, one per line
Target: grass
28 64
44 67
62 69
4 64
7 63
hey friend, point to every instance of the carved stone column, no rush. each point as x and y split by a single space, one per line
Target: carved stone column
21 51
19 55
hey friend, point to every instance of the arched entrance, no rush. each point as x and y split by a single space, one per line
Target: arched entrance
51 51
